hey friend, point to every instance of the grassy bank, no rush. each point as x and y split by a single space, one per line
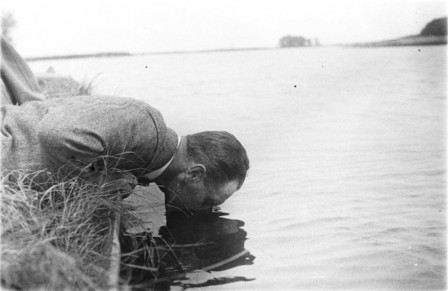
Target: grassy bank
55 85
59 238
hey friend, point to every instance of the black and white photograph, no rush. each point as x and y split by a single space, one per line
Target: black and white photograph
223 145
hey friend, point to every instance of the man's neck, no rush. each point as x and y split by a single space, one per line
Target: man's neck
152 176
177 164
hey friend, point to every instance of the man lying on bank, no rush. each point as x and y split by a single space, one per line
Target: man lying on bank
90 136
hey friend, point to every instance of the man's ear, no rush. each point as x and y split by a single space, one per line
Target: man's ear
196 173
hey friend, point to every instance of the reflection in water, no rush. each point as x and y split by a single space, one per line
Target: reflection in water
190 243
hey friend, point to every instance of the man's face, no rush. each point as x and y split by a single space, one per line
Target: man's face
199 195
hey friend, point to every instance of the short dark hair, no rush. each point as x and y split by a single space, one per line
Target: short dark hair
221 153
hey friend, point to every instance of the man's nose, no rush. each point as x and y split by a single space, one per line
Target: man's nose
210 202
215 200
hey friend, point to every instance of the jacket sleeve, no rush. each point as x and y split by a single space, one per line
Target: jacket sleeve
66 146
119 135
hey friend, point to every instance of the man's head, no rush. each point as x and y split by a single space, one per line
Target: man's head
207 169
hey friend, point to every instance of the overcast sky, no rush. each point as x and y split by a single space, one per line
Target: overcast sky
56 27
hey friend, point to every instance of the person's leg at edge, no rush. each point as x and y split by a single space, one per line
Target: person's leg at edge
18 83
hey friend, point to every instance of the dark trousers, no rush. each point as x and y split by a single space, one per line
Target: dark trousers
17 81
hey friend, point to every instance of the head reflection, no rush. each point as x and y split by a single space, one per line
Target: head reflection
188 242
206 240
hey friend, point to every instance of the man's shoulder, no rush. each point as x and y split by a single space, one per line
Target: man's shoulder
103 103
98 99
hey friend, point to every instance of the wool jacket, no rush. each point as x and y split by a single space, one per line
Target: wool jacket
87 133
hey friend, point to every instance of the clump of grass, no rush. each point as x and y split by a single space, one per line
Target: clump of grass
86 87
58 238
56 86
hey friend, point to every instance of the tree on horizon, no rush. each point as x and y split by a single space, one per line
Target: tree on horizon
8 23
294 41
437 27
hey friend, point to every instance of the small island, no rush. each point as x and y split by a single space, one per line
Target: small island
434 33
297 41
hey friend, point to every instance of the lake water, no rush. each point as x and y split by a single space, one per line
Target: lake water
347 183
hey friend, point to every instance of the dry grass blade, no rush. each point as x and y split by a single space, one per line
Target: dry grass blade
58 238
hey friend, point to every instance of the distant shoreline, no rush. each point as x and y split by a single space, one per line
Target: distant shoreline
80 56
413 40
209 51
126 54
